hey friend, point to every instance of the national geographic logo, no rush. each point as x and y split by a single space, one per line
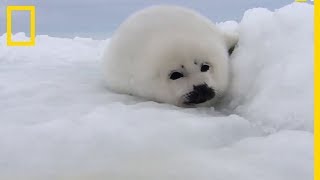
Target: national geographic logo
32 11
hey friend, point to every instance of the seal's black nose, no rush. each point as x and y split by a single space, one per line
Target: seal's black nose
200 94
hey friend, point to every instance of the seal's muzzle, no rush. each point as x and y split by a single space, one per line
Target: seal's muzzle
200 94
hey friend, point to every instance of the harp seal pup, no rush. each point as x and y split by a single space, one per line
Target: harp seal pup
171 55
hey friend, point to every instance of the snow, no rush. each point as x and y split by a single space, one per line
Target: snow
274 85
58 121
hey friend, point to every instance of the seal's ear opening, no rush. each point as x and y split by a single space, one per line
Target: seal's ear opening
231 40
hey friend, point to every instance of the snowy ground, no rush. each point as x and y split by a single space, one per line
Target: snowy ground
57 120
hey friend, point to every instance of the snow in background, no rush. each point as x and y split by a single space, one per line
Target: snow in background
58 121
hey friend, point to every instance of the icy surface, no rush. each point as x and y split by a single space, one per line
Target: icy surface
57 120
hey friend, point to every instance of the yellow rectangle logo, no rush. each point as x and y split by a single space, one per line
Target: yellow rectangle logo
32 10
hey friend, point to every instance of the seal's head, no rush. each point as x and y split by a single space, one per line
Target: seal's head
192 71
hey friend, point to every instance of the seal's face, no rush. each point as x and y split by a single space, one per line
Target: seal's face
193 73
193 84
200 91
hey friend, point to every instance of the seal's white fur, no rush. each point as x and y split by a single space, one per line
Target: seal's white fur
153 42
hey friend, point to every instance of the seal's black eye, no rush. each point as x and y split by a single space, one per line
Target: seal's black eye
205 67
176 75
230 51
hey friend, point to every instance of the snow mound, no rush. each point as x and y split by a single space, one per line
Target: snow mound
273 68
58 121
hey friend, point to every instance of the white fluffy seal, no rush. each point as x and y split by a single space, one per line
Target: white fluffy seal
169 54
